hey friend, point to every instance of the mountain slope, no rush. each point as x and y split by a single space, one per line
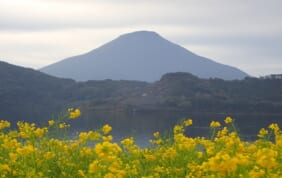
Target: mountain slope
143 56
30 95
27 94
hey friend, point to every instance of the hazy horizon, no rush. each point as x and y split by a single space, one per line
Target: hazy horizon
246 35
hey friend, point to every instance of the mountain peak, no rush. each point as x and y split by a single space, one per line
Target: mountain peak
140 36
142 33
140 55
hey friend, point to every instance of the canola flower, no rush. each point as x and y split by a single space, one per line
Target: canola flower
51 122
188 122
228 120
262 133
30 151
4 124
106 129
214 124
74 113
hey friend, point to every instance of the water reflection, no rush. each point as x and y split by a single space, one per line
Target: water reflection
141 125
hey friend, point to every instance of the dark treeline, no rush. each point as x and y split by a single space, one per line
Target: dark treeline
32 96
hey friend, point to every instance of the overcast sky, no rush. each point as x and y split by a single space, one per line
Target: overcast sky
243 33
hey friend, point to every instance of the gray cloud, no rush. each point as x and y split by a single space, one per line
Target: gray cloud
93 14
213 28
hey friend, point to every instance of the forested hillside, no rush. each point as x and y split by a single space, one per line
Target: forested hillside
32 96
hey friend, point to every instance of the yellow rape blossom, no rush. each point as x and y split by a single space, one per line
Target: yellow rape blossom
178 129
4 124
94 167
73 114
267 157
106 129
127 141
27 151
188 122
81 173
274 127
110 175
214 124
4 169
107 138
262 133
51 122
39 132
156 134
13 157
256 172
49 155
228 120
62 125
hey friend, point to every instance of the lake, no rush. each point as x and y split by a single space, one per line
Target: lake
142 124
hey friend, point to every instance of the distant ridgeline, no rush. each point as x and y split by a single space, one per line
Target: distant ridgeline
272 76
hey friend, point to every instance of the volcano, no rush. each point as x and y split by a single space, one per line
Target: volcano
141 56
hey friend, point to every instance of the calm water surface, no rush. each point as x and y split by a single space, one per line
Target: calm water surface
141 125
